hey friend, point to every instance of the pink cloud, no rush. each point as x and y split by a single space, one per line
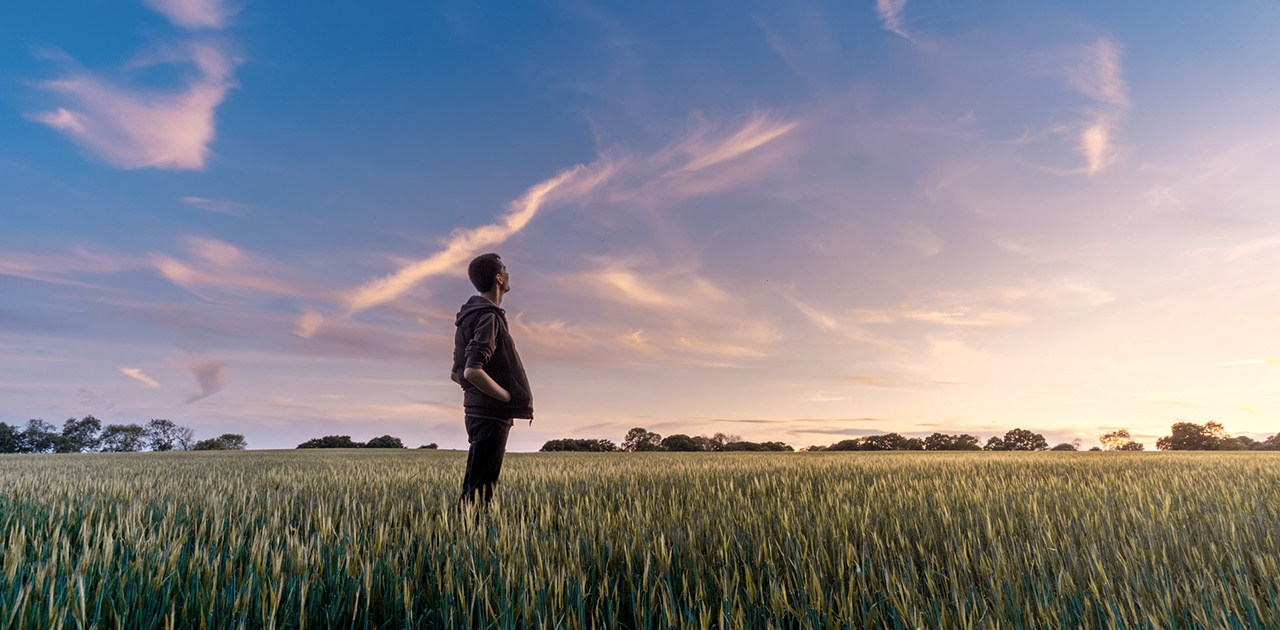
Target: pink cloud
210 375
1098 75
192 13
130 128
890 12
221 206
462 245
220 266
53 268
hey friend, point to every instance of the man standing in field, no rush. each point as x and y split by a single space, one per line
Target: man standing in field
486 365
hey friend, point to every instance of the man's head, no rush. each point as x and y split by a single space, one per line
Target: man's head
486 272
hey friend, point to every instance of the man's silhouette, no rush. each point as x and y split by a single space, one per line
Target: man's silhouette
486 365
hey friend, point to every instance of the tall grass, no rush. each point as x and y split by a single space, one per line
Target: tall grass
369 539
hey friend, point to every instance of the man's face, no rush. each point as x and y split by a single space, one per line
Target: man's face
504 279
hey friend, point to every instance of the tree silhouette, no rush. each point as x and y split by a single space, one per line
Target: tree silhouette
331 441
38 437
384 441
234 441
1189 436
123 438
1120 440
680 442
639 439
1024 440
81 435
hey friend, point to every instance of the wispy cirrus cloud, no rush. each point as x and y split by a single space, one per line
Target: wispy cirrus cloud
709 159
55 268
136 374
624 176
462 245
210 375
220 206
146 128
704 150
1098 75
193 14
890 12
214 265
133 127
672 289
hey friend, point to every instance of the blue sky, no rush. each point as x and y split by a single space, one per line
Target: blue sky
798 222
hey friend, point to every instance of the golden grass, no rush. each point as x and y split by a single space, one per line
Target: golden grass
368 539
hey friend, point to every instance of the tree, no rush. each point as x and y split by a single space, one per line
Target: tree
331 441
165 435
384 441
720 440
10 438
1272 443
579 445
1119 440
845 445
1189 436
995 444
211 444
886 442
224 442
938 442
123 438
739 445
1232 444
38 437
680 442
431 446
1065 446
81 435
640 439
1024 440
944 442
234 441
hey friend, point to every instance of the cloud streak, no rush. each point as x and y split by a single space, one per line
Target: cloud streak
52 268
890 12
1099 76
217 265
210 375
220 206
136 374
193 14
695 154
133 129
570 185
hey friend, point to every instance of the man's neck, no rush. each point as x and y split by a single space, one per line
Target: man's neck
494 296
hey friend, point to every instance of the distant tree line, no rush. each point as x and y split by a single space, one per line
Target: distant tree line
640 439
1186 436
345 441
1211 436
88 435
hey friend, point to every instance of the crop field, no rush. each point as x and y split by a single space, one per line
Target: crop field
368 539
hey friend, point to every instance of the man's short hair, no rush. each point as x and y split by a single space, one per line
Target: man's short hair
483 271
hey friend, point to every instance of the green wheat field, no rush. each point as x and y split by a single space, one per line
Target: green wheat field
368 539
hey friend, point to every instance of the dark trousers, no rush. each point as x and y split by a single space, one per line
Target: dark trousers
488 438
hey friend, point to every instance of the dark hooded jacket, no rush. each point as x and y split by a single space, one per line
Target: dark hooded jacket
483 341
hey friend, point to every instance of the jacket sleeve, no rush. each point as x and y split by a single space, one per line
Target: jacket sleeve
483 341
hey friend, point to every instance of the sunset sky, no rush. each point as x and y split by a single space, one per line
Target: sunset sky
800 221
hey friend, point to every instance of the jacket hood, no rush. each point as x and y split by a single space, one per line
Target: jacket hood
477 304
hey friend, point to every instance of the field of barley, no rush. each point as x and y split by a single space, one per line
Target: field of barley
368 539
